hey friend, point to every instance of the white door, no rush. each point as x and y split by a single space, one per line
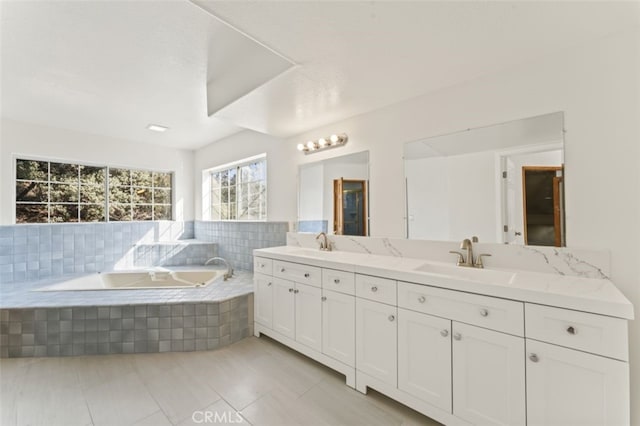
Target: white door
488 376
263 290
568 387
376 340
308 315
424 357
339 326
284 307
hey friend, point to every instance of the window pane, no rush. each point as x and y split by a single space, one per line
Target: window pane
224 211
119 177
119 212
32 170
32 213
141 178
142 212
232 194
142 196
215 196
215 180
232 177
215 212
92 175
162 196
232 212
32 191
62 172
120 194
224 194
92 213
224 178
162 180
92 194
64 193
64 213
162 213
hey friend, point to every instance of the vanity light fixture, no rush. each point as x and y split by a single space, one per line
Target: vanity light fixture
332 141
157 128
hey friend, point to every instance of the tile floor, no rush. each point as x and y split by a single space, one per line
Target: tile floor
267 383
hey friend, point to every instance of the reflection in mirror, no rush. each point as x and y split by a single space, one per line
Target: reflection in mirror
333 195
503 183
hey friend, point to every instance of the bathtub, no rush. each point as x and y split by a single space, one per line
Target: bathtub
157 278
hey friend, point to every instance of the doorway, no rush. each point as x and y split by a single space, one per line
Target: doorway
542 205
350 209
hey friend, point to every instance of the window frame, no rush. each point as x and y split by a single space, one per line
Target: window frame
107 167
207 189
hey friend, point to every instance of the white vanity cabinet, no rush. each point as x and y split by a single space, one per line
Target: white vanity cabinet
459 357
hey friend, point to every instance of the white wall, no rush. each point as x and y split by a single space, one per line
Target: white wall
598 88
17 138
281 169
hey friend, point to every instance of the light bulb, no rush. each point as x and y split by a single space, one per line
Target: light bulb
334 139
322 142
311 145
300 147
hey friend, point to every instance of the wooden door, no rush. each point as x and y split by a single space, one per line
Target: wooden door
350 207
542 205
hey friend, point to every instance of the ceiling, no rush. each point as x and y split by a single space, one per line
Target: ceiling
111 68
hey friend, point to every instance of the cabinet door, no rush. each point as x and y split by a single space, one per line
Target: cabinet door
424 357
376 340
488 376
284 307
263 290
568 387
308 315
339 326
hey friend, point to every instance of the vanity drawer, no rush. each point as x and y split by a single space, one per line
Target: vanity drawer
593 333
376 288
483 311
263 265
303 274
341 281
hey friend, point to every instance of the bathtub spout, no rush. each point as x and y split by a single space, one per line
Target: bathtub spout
229 273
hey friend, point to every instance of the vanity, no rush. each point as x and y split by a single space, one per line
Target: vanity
460 345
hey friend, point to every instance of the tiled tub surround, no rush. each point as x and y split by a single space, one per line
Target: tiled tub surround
170 253
123 321
237 240
33 252
552 260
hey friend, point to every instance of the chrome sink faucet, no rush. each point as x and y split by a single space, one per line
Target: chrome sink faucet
325 245
229 272
469 262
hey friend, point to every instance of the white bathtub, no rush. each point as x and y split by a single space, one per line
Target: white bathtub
141 279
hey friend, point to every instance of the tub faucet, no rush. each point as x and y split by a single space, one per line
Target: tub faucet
468 246
229 272
325 245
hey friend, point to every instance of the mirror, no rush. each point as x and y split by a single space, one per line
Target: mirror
502 183
333 195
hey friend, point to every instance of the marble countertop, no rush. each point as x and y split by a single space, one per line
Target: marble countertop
593 295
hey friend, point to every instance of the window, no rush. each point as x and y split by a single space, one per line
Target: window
49 192
239 192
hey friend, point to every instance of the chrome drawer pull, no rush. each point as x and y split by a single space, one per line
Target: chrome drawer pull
534 358
392 317
336 281
324 298
422 299
484 312
457 336
290 290
281 269
572 330
444 333
268 284
306 275
296 291
374 289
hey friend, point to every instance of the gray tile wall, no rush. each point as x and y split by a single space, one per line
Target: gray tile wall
173 253
91 330
31 252
237 240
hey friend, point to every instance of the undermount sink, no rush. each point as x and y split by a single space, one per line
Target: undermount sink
470 274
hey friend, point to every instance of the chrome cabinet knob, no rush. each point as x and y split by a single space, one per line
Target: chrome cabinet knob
457 336
281 269
374 289
534 358
444 333
296 291
392 317
336 281
269 284
261 265
422 299
572 330
306 275
290 290
484 312
324 298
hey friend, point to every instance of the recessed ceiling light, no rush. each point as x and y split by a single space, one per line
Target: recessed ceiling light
157 128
